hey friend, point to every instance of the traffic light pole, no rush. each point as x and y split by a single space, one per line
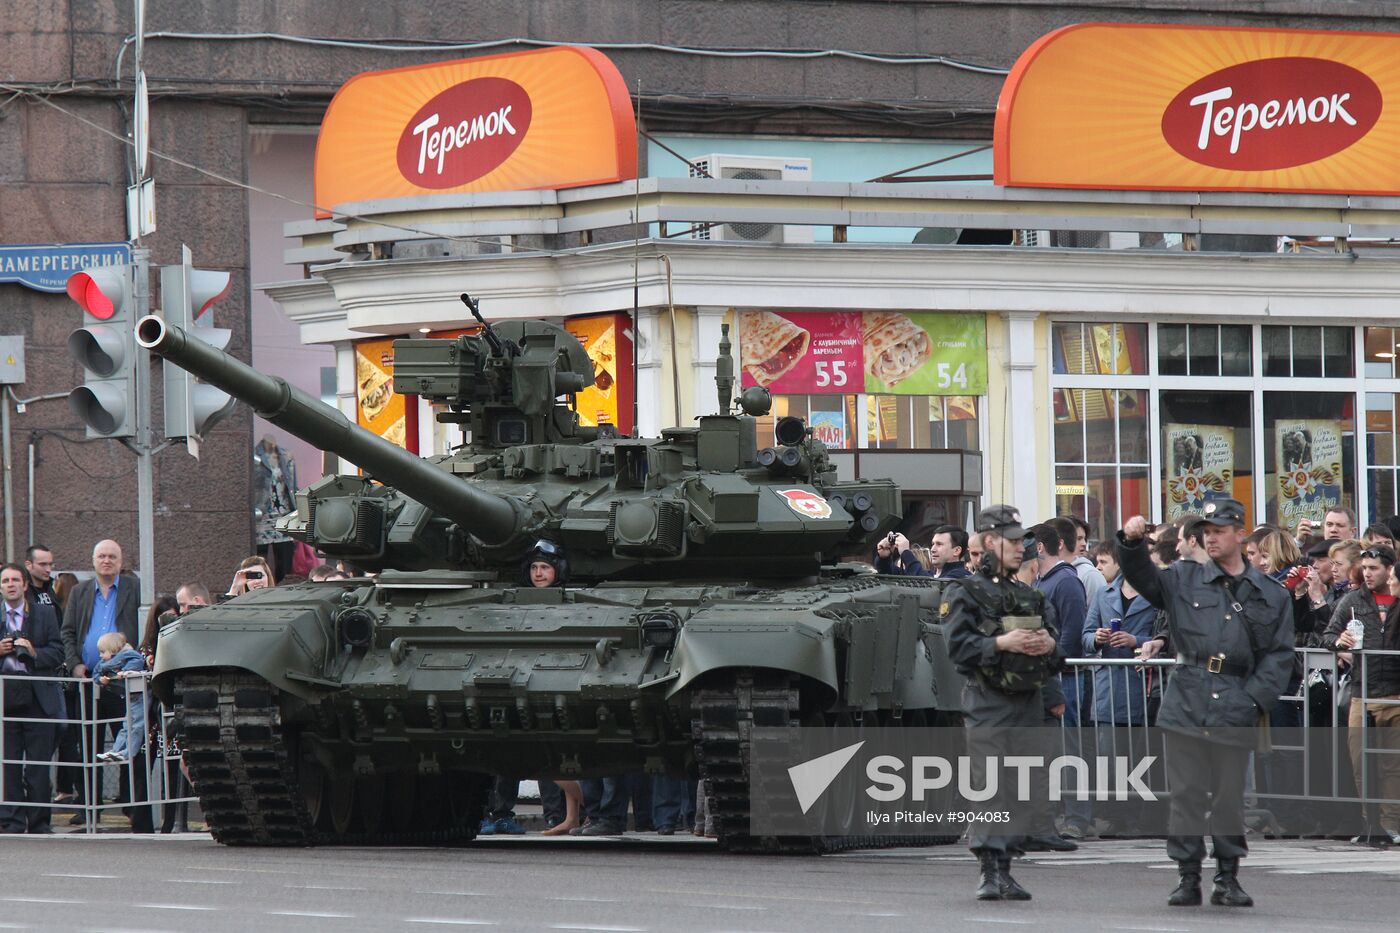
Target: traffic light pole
143 444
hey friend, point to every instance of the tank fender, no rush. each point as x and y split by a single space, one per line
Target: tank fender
289 648
706 645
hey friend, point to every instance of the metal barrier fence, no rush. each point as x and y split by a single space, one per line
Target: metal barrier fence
1326 748
149 774
1313 758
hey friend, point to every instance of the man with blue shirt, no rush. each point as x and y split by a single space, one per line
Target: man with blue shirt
1058 580
109 602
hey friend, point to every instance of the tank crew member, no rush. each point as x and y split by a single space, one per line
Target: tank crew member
1002 635
1232 631
545 565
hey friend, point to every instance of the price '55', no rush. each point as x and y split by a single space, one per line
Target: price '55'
831 372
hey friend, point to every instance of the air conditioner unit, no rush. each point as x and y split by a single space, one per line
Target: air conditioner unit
752 168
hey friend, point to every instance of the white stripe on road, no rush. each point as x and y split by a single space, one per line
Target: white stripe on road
995 920
175 907
588 900
41 900
595 929
64 874
310 913
325 887
451 893
451 920
195 881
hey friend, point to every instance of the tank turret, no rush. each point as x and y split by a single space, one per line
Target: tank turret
689 504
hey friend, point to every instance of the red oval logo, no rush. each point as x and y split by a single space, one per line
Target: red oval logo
1273 113
463 133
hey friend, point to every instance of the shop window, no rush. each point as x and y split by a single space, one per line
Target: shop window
1204 350
1102 456
1381 346
1207 450
1309 454
883 422
1381 461
1099 349
1308 352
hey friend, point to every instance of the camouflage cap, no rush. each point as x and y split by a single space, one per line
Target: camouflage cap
1005 520
1223 512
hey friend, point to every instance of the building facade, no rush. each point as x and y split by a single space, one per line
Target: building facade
1112 354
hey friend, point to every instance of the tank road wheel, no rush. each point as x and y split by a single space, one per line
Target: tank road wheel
370 803
240 760
342 805
727 711
312 778
403 800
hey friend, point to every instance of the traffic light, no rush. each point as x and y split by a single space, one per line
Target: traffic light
106 401
191 406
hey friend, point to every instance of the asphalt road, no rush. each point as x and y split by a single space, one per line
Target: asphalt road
119 883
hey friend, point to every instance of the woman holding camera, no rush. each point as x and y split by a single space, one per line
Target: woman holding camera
252 574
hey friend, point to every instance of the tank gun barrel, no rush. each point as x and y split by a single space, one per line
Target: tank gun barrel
492 519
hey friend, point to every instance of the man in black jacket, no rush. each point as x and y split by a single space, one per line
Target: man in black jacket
1233 635
29 646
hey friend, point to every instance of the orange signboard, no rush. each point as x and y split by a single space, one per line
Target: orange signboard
378 407
547 118
1200 108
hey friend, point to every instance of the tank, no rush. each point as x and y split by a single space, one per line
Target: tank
706 594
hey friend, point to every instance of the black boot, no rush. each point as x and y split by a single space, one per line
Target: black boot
989 884
1188 889
1227 891
1010 890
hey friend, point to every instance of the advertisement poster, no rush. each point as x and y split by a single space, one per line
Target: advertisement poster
1308 455
609 399
1200 466
801 352
925 354
829 427
378 407
883 352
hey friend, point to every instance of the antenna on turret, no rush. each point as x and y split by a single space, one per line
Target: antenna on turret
724 372
498 346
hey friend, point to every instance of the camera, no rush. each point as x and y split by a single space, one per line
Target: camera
252 574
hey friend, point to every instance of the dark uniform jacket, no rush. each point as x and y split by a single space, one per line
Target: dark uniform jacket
1382 671
972 650
41 628
77 617
1203 624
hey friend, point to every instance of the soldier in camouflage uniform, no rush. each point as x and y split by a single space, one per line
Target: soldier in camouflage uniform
1002 635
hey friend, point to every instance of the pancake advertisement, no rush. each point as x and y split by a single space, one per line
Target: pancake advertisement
881 352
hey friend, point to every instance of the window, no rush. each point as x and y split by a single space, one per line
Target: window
1309 454
883 422
1204 350
1207 450
1099 349
1308 352
1381 460
1381 344
1101 456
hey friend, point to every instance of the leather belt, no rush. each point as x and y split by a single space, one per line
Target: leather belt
1217 664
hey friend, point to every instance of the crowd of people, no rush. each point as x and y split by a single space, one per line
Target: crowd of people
1179 589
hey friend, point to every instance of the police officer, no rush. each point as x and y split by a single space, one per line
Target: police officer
1002 635
1233 634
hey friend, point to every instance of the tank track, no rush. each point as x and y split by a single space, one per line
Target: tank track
237 750
726 712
